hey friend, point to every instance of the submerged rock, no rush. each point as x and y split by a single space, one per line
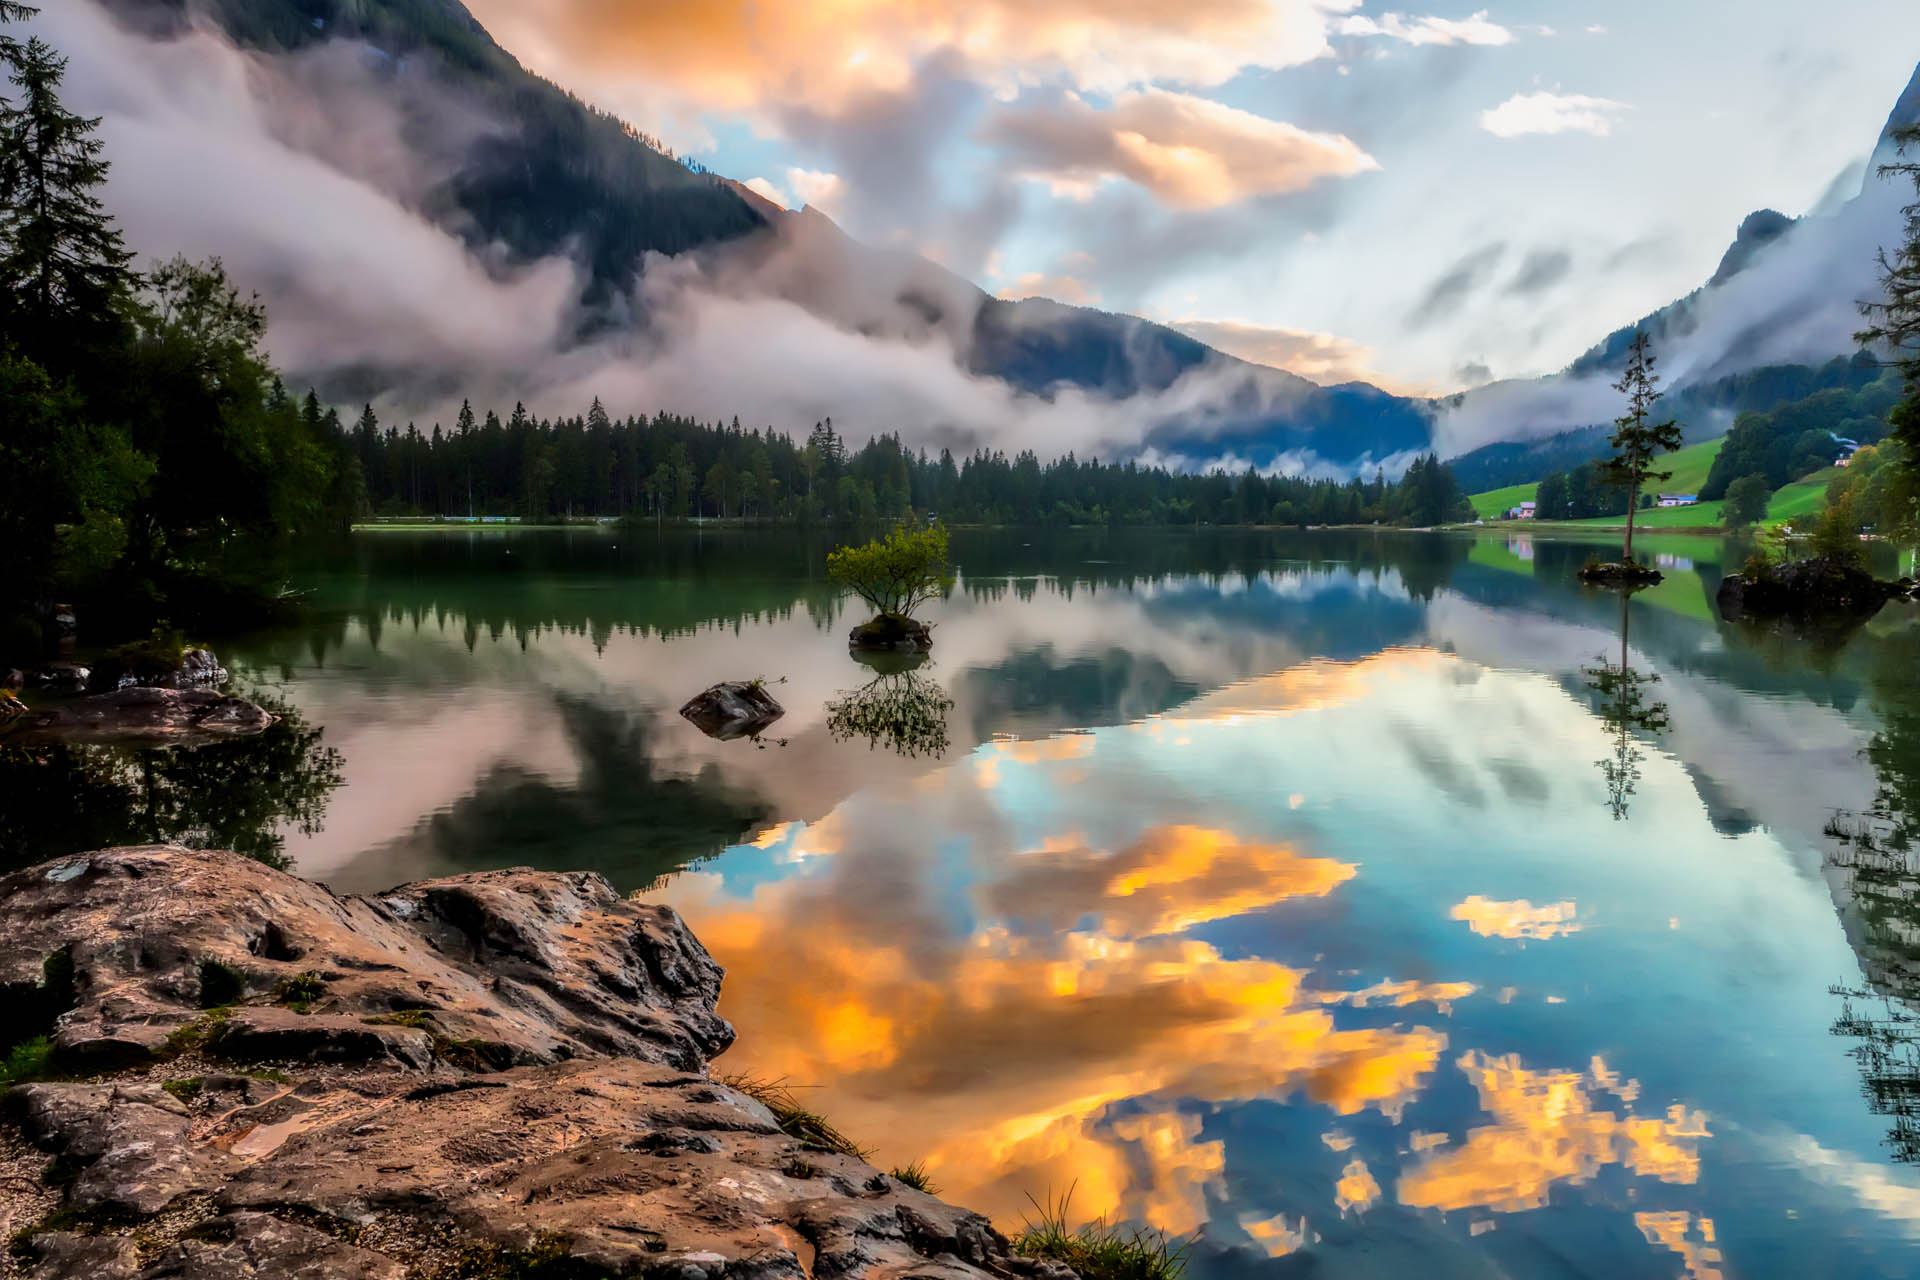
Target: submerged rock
68 677
891 631
144 717
1818 587
491 1074
1620 575
733 709
197 669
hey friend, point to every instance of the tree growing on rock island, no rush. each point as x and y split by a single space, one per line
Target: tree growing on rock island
896 575
1637 441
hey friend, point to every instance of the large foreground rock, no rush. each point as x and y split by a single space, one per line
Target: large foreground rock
498 1074
143 717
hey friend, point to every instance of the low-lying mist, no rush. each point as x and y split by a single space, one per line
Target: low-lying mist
315 177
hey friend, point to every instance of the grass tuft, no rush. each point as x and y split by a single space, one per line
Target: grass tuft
546 1258
404 1018
196 1033
28 1060
186 1089
300 991
1099 1250
796 1121
915 1175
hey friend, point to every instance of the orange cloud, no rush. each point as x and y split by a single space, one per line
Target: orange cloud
1356 1189
1547 1129
1169 880
1691 1237
1071 290
739 54
1012 1062
1191 152
1325 358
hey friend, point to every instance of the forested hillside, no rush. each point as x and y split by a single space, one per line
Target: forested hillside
1704 410
670 467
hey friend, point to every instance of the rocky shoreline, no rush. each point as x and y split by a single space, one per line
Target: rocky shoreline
494 1076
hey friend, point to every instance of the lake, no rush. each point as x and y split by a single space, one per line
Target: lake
1345 904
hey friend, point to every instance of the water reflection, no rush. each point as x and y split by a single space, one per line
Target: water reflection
1620 693
1876 856
1262 886
900 708
246 795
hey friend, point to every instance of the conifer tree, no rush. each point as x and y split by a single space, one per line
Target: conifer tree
1636 441
62 262
1893 323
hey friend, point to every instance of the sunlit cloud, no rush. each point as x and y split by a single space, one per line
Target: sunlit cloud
1517 919
738 55
1689 1235
1061 288
1169 880
1325 358
1547 1129
1276 1235
1356 1191
1545 112
1191 152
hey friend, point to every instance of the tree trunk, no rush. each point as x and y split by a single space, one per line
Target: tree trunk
1633 501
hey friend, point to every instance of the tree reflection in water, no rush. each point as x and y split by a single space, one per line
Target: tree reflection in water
243 795
1880 877
899 708
1620 695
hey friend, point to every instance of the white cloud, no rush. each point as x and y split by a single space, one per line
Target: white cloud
1546 112
765 189
1475 29
824 191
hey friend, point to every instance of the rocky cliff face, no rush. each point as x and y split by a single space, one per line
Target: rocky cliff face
494 1075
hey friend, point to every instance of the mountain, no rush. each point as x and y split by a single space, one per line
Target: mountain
551 177
1766 327
526 175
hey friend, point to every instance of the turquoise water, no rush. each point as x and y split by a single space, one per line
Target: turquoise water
1342 904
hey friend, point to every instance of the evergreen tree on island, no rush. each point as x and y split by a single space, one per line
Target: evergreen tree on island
1636 441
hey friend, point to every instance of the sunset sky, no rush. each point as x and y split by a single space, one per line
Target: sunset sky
1425 198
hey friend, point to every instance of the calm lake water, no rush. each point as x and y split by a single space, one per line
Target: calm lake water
1350 905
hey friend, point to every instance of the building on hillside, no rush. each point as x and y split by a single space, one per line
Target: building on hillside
1677 499
1522 512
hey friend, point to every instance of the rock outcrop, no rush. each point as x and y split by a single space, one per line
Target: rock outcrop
1618 575
142 716
1804 589
197 669
891 632
491 1075
733 709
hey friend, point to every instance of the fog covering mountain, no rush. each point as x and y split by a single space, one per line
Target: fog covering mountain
429 221
1766 327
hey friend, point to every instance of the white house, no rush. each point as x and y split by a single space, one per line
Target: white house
1678 499
1522 512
